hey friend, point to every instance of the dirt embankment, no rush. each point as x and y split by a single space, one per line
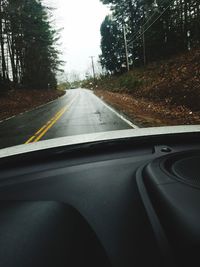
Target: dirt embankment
145 113
164 93
16 102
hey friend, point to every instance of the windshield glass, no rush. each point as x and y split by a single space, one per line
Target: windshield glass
73 67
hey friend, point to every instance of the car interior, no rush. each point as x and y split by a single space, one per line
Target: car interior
126 202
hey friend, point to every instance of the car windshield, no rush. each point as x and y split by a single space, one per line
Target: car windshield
73 67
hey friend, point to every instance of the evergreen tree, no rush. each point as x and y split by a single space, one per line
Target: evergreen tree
160 28
29 56
113 53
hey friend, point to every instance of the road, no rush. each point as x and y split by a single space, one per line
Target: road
78 112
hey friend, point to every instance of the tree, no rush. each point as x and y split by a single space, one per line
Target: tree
112 46
164 27
29 55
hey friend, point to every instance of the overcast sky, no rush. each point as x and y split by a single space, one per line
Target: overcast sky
81 20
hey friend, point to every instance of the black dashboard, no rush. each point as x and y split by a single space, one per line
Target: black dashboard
130 202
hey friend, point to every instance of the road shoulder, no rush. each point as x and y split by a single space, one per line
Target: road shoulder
148 113
21 101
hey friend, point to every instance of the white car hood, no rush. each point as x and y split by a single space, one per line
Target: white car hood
97 137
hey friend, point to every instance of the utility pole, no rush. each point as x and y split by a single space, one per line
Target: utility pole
144 46
126 49
143 38
94 75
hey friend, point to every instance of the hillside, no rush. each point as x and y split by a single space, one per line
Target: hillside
163 93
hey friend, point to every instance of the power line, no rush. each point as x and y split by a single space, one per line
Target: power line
144 30
153 22
153 14
135 34
150 24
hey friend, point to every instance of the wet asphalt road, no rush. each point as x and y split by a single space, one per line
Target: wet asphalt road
78 112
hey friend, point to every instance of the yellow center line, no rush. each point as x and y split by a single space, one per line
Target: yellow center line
39 131
29 140
43 130
50 125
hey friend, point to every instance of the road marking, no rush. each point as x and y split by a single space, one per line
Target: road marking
50 125
44 129
118 114
41 129
29 140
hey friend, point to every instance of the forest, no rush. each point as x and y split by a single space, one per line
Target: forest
29 58
138 32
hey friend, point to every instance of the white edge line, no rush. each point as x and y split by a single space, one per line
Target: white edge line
43 105
118 114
